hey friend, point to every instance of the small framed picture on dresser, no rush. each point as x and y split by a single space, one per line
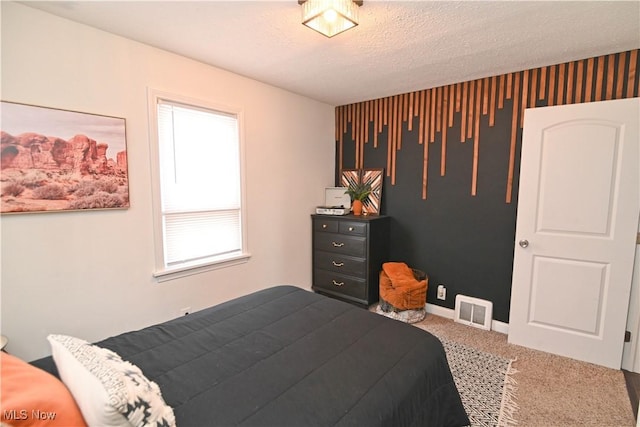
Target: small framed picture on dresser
372 177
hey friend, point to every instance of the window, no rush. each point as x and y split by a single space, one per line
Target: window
198 191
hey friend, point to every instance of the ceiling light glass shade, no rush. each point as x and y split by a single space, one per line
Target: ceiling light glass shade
330 17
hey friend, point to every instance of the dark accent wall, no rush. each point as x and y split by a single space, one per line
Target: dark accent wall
452 157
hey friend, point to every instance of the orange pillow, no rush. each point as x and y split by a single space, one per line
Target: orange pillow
30 396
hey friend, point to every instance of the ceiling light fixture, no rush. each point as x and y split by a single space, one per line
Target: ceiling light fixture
330 17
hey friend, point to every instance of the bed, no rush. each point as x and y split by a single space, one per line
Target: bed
285 356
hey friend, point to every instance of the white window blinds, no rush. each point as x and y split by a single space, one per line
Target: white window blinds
200 183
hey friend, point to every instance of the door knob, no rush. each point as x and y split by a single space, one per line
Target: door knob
523 243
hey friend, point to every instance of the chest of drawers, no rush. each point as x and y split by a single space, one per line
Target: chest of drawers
348 253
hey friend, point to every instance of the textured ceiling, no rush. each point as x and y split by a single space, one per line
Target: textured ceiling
398 47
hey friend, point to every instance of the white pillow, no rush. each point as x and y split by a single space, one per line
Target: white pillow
108 390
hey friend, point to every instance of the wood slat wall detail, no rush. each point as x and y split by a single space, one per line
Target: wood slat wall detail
473 104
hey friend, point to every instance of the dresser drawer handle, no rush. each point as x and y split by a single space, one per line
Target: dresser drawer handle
324 226
337 264
350 228
337 283
337 245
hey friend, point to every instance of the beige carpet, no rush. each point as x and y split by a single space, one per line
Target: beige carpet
551 390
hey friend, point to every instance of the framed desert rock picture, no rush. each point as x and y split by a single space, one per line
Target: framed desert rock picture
60 160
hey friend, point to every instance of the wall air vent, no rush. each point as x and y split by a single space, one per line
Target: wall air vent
473 312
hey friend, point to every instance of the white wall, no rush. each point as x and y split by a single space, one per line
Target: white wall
89 274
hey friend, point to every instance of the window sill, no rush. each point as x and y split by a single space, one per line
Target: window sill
180 271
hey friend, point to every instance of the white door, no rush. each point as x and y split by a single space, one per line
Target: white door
578 207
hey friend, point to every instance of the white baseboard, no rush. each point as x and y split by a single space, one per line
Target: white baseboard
449 313
445 312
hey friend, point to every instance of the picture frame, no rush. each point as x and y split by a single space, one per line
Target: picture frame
374 177
61 160
349 177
